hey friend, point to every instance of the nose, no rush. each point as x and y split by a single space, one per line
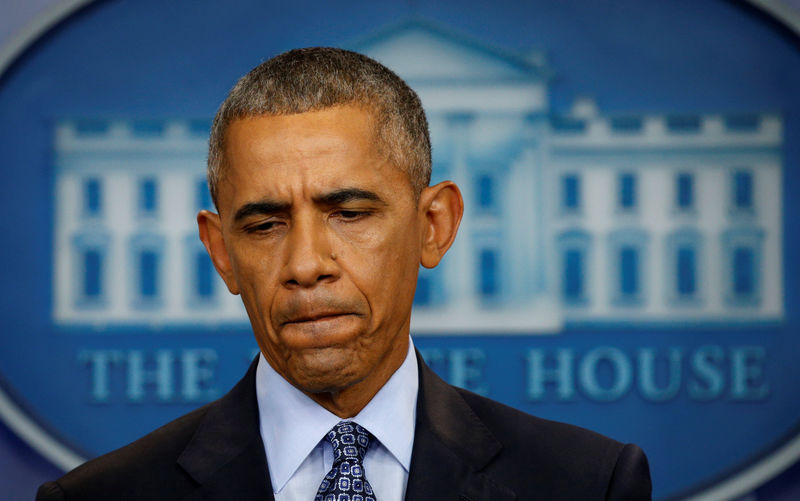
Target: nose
308 259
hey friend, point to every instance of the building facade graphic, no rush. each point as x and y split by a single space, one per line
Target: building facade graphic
576 216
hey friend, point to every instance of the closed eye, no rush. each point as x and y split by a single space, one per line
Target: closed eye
352 215
262 227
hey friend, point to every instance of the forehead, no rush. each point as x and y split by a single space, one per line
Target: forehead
316 148
348 125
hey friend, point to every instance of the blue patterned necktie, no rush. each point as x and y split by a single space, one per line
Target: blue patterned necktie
346 481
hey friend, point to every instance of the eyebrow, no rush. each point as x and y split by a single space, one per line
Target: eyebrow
260 208
336 197
345 195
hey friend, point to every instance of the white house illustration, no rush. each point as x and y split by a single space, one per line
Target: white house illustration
577 217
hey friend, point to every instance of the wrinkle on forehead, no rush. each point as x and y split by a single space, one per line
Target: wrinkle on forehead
285 130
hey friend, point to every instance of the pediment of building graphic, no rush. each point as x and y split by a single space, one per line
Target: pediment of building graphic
421 51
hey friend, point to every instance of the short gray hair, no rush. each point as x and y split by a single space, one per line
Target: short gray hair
316 78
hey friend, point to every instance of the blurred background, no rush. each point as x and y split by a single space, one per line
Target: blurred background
626 262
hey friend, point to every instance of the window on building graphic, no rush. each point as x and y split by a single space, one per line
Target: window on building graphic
570 192
203 275
743 261
628 271
684 123
686 267
626 124
422 296
573 274
684 191
147 253
92 286
430 287
90 127
148 196
628 247
743 190
90 264
201 282
485 190
560 123
147 128
682 270
148 273
489 274
574 250
743 123
202 195
199 127
92 197
627 191
744 283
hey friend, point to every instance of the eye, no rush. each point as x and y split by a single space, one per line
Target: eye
351 214
262 227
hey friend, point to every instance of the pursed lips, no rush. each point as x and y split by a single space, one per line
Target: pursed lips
307 309
316 316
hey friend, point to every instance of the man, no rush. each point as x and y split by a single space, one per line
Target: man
319 166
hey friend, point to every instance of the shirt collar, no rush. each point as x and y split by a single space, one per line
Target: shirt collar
292 424
391 414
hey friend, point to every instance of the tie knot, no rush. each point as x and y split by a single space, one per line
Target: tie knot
349 440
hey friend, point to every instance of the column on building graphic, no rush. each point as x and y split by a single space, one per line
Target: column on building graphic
662 217
126 249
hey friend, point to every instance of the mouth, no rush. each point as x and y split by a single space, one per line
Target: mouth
316 317
318 328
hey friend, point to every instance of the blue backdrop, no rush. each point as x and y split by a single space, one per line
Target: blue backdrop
125 61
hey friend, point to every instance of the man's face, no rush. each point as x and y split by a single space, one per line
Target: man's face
323 237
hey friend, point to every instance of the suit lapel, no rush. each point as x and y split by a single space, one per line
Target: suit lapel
226 455
451 447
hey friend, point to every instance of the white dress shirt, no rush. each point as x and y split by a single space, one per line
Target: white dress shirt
293 428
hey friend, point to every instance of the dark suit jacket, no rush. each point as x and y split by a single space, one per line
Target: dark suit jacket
466 448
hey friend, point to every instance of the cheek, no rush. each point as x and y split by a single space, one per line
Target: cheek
255 268
386 272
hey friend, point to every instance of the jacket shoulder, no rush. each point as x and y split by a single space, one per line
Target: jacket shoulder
567 458
138 467
511 426
172 462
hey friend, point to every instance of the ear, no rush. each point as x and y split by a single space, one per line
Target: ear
440 211
210 229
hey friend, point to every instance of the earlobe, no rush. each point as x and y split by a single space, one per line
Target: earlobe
210 229
441 208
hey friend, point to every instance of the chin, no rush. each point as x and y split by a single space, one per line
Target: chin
326 370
